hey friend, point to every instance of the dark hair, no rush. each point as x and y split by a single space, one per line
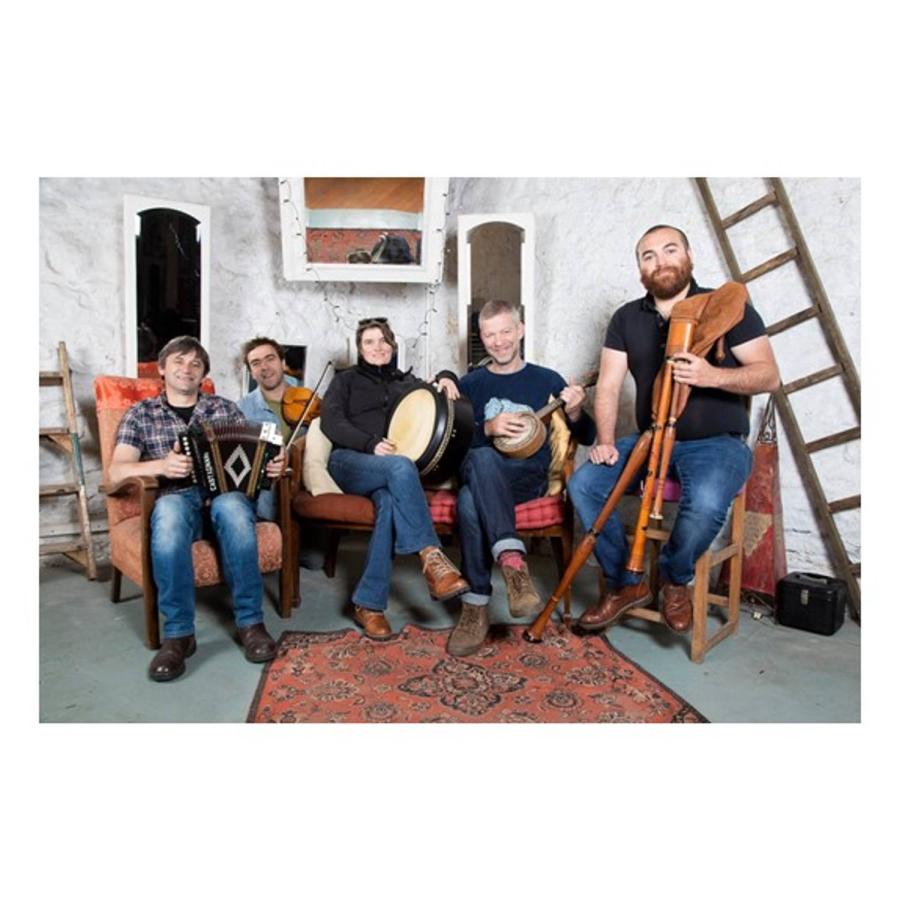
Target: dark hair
497 308
378 322
684 238
250 346
186 343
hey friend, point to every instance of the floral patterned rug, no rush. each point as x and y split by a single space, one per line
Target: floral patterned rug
343 677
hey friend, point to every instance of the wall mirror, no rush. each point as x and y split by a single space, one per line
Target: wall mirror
496 262
363 229
166 245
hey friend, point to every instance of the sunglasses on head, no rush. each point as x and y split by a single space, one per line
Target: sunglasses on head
374 320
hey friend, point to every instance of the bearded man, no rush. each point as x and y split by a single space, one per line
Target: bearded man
710 459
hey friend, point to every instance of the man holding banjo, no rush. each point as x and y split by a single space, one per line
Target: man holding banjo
502 394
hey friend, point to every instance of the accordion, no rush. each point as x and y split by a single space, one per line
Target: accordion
231 456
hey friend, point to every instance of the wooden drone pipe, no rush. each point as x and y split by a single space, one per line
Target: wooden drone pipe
583 550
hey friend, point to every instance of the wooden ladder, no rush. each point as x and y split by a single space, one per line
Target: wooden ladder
66 439
843 367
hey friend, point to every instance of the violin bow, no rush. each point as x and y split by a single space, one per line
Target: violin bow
299 424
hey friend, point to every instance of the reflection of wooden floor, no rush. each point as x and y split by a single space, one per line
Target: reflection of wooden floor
404 194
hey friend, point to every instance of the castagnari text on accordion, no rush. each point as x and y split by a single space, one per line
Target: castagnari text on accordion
231 456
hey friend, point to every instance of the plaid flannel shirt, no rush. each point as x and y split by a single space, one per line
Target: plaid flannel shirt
153 428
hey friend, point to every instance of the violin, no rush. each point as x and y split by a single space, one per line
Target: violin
296 401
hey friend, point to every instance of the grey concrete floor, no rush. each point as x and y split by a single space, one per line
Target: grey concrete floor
93 662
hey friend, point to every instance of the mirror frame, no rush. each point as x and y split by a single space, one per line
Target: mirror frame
132 206
297 266
466 225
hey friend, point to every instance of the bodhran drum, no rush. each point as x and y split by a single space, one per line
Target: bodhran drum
432 430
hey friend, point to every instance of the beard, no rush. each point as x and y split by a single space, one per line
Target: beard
669 281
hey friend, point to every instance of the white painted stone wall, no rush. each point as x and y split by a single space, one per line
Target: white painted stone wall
586 231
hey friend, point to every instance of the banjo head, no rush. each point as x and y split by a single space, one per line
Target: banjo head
526 444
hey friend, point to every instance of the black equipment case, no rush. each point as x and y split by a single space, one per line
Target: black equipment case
811 602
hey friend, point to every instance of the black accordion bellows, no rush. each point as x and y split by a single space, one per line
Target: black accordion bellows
231 456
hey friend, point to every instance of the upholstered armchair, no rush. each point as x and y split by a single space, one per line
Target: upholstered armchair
129 504
318 501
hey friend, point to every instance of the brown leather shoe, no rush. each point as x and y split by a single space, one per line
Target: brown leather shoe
614 605
169 660
523 598
444 580
257 643
470 631
373 622
678 606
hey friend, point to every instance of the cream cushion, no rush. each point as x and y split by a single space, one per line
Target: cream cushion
315 462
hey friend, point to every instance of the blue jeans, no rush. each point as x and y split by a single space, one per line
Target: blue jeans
402 518
492 485
711 472
176 522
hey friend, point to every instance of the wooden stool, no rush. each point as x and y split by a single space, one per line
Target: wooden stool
733 553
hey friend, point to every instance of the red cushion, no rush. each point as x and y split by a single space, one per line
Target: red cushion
671 491
541 513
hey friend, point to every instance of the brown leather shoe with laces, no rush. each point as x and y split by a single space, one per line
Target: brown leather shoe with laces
614 605
444 580
373 622
523 598
470 631
169 660
678 606
257 643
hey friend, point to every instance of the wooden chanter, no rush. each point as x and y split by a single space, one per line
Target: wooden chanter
695 324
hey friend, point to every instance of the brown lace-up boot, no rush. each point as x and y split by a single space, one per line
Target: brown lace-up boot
523 598
614 605
678 606
470 631
444 580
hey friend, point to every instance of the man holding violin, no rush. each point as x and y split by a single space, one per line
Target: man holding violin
264 357
278 398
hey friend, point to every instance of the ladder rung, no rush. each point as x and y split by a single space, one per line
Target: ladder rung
810 380
54 432
796 319
847 503
50 378
856 569
842 437
750 209
770 264
59 490
61 547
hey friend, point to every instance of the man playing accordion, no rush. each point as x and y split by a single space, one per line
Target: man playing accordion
147 443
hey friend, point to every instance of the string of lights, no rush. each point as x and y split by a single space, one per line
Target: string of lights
346 318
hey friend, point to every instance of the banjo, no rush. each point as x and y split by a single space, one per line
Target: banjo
535 433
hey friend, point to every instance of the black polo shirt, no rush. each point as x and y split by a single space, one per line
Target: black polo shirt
640 331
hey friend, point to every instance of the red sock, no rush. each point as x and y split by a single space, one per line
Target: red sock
512 558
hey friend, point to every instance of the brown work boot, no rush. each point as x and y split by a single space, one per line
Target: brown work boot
470 631
614 605
257 643
169 661
678 606
444 580
373 622
523 598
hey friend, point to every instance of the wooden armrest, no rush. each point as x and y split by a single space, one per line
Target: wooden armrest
295 464
144 483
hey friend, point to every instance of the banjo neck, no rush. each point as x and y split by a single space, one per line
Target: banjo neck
557 402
